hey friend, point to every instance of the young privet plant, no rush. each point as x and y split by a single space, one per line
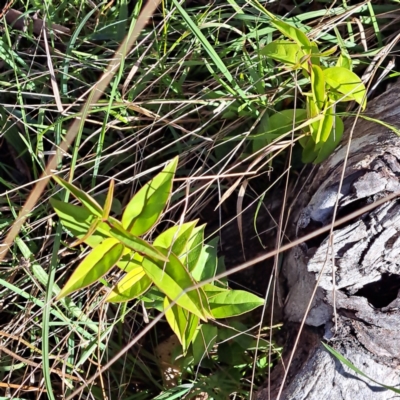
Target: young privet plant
160 273
329 86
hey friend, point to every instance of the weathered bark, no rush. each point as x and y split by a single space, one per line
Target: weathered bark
366 263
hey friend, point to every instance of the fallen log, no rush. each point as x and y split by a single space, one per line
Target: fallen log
358 311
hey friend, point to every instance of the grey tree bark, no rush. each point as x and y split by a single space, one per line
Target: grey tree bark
365 260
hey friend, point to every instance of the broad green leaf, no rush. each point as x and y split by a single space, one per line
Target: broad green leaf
315 56
203 342
324 127
95 265
92 229
132 285
172 278
175 238
90 203
130 260
318 86
278 124
347 83
344 61
182 322
293 33
108 202
193 248
78 221
284 51
325 149
232 303
282 123
206 267
309 153
212 290
154 298
145 208
136 244
261 138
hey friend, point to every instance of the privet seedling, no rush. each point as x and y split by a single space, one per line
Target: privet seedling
174 265
329 86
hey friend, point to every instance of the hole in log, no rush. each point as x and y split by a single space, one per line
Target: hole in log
381 293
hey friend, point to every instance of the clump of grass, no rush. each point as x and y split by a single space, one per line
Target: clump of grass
194 85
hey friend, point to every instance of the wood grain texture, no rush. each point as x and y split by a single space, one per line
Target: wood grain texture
364 251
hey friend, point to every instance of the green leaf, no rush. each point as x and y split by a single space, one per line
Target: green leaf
108 202
116 206
346 82
325 149
355 369
231 303
132 285
293 33
284 51
175 238
309 153
95 265
206 267
78 221
318 86
154 298
203 342
145 208
284 121
130 260
182 322
324 126
172 278
344 61
136 244
90 203
193 248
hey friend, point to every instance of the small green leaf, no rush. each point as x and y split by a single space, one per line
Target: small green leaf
284 121
318 86
90 203
154 298
324 126
309 153
175 238
173 279
206 267
325 149
231 303
347 83
344 61
132 285
203 342
293 33
145 208
328 52
78 221
193 248
95 265
182 322
284 51
108 202
136 244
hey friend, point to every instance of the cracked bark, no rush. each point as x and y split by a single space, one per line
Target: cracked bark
366 263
